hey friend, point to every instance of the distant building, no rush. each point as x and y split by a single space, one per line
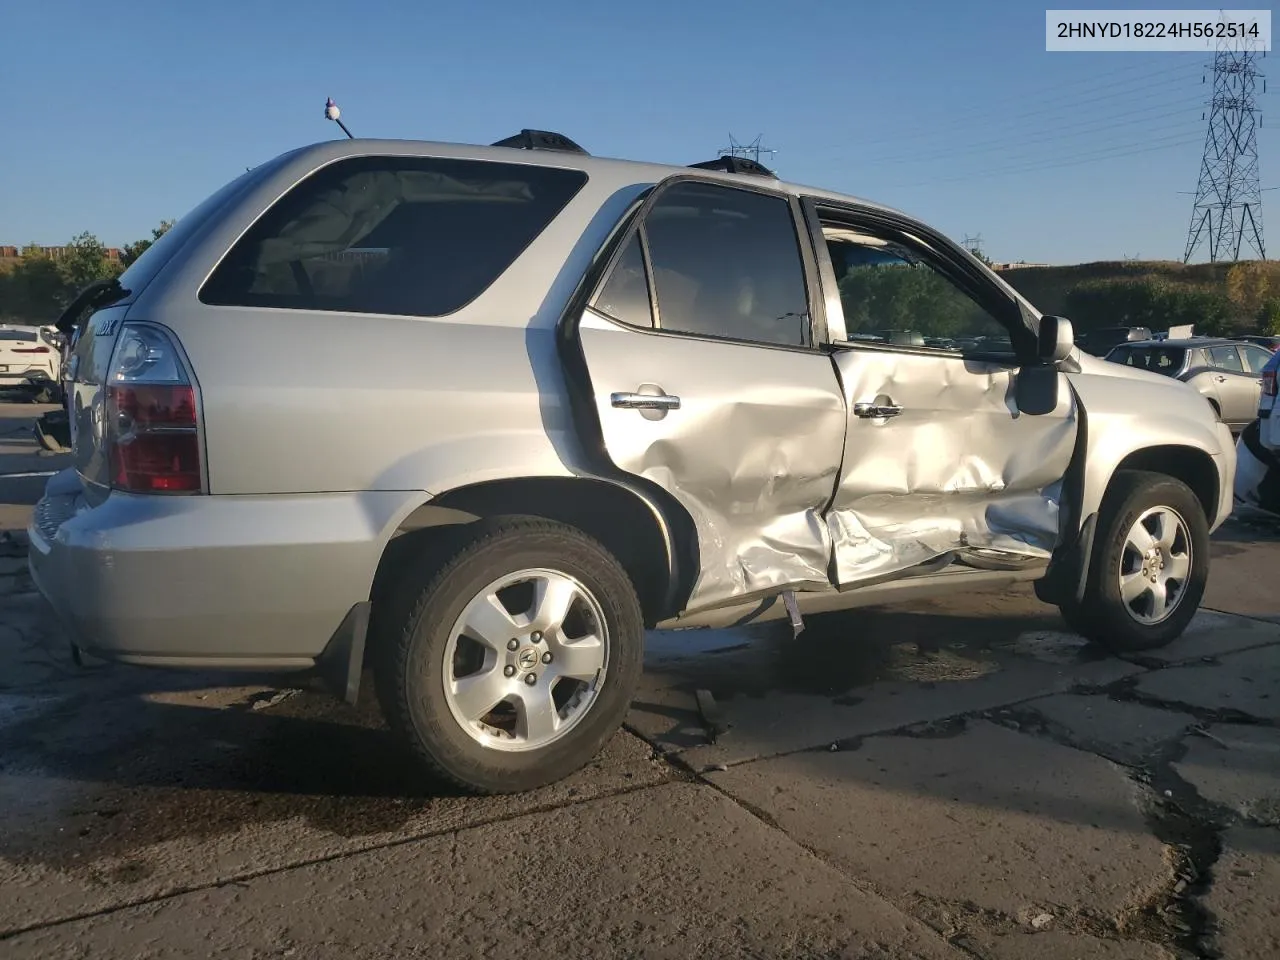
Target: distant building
1017 264
15 253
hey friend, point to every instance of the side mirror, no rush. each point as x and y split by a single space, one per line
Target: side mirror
1057 339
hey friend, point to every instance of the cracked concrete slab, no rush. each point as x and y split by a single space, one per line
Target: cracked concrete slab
987 820
677 871
1245 897
92 832
1242 550
1244 683
773 722
1125 732
1238 768
1212 634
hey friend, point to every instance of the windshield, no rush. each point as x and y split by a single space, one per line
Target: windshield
1165 360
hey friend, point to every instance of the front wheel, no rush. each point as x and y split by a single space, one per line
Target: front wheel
509 661
1149 567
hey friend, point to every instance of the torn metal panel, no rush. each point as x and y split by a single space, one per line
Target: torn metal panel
752 451
958 467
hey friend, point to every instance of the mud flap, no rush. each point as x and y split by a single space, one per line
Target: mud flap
342 662
1068 575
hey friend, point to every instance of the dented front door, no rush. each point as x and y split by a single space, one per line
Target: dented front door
943 461
706 381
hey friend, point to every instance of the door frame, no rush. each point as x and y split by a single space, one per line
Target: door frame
941 253
679 529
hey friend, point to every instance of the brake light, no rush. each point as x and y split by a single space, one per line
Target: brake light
1268 383
152 422
31 350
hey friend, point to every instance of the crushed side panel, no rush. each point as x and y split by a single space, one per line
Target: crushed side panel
959 468
752 453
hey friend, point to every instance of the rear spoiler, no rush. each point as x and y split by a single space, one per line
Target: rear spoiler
97 294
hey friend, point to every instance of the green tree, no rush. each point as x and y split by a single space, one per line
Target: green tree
1248 285
905 297
36 287
83 261
132 251
1269 317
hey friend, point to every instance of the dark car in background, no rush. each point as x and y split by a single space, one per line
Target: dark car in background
1227 373
1270 343
1098 342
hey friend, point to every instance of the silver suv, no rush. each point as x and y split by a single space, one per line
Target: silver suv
475 417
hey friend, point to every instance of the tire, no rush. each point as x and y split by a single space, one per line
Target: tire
1105 616
422 666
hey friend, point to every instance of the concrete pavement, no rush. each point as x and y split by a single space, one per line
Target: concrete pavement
958 779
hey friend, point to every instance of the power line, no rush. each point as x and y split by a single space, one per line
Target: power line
1166 143
1083 128
1227 213
1071 100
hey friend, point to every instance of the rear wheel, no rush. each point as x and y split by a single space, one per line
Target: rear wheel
510 658
1149 567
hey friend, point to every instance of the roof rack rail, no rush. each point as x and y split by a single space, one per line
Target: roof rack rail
541 140
731 164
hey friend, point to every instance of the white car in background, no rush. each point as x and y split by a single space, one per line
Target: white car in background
31 360
1258 451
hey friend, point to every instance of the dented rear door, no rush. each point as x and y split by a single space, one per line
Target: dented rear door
706 380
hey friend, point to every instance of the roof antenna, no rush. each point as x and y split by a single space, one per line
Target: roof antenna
331 112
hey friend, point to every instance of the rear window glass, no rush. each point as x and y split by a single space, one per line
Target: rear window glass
1166 360
412 236
1226 358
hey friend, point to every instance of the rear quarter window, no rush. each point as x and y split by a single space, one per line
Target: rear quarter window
402 235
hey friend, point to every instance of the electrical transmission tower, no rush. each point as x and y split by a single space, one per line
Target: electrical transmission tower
973 245
1228 208
748 151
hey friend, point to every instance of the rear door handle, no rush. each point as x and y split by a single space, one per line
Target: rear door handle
876 411
1220 379
644 401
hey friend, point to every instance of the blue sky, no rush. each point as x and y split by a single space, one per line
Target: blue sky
118 115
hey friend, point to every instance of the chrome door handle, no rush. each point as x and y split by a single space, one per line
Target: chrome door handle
1221 379
876 411
644 401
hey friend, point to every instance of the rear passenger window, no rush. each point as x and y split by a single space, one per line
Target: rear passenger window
1226 358
625 295
726 263
402 235
1255 358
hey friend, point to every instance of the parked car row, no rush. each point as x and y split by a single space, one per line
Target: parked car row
31 360
1227 373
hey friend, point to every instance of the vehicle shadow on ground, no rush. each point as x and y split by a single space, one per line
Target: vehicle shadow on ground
161 762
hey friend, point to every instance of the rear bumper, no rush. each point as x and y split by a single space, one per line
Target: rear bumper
1257 480
26 378
252 582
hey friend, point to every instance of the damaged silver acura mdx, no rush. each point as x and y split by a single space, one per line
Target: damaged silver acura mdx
606 396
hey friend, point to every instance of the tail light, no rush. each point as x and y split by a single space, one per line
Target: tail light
152 424
31 350
1268 383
